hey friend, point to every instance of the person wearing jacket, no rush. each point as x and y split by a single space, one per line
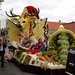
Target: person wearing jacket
2 50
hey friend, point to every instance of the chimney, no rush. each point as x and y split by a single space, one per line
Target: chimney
72 21
59 21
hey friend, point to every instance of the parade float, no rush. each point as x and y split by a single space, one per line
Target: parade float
28 25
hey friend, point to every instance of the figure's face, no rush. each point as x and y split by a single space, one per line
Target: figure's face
40 40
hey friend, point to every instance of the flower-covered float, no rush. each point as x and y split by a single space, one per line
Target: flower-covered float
28 25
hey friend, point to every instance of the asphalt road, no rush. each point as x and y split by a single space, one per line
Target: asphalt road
12 69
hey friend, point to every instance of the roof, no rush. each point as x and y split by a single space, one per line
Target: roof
53 25
70 26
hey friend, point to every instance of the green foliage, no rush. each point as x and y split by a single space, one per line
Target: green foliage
63 34
51 47
63 37
50 53
6 30
63 47
63 42
63 52
54 36
64 62
63 57
54 53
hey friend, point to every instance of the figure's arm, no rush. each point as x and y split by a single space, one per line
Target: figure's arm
17 45
25 48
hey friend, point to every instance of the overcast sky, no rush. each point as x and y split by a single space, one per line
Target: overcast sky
54 10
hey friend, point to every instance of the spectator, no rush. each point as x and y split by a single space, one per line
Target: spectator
2 32
2 50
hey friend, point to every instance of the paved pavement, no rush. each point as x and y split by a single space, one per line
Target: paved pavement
12 69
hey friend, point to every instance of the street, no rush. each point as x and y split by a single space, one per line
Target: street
12 69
